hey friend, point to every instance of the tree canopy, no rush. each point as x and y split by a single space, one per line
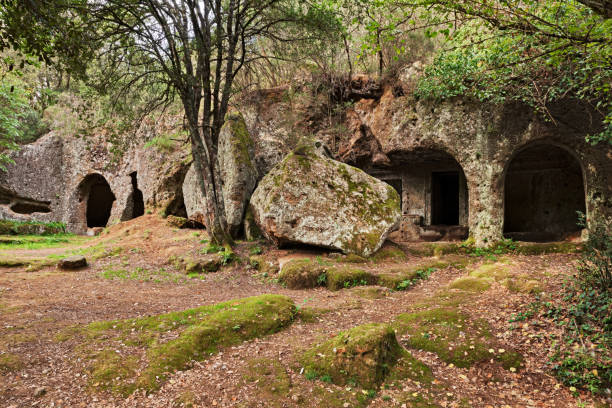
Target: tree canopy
150 53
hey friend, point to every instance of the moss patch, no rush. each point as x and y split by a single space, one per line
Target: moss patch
9 362
195 334
353 258
303 274
363 355
370 292
471 284
522 284
389 254
409 367
271 379
113 372
547 248
490 271
454 338
347 277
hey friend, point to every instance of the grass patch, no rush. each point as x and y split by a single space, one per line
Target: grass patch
195 334
142 274
38 241
9 362
8 227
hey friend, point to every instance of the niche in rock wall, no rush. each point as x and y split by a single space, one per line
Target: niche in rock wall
30 208
544 190
135 202
99 198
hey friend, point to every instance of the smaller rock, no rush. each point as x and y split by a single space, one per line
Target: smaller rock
204 265
72 262
40 391
94 232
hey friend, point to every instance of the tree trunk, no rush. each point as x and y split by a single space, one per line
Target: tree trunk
207 165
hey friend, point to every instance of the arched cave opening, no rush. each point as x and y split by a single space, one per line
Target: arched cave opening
136 200
99 200
544 191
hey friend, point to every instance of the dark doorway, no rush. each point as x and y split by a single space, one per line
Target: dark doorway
544 190
137 200
100 200
445 198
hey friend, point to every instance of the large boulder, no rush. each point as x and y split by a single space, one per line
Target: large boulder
195 202
309 198
238 172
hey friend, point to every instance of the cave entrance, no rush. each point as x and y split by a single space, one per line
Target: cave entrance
99 198
445 198
544 190
434 194
135 201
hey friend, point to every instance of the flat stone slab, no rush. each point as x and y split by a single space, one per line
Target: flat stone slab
72 262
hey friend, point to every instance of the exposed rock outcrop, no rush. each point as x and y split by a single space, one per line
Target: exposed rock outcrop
53 178
195 202
363 148
311 199
238 172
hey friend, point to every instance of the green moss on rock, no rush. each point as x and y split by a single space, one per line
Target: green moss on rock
302 274
389 253
363 355
196 334
347 277
471 284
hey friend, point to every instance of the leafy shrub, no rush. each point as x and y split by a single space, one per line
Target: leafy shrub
584 358
595 269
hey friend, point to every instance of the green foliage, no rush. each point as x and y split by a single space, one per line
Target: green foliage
12 104
421 274
31 228
538 53
595 269
582 357
587 305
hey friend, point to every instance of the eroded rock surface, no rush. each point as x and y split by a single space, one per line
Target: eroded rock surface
238 172
311 199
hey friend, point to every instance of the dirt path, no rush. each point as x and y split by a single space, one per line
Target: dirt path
36 306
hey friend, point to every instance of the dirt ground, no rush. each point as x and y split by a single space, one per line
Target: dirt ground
133 273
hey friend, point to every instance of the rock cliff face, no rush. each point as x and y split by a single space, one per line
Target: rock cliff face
468 168
460 167
311 199
58 179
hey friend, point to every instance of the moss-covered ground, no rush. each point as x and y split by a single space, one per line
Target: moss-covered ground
173 339
447 328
